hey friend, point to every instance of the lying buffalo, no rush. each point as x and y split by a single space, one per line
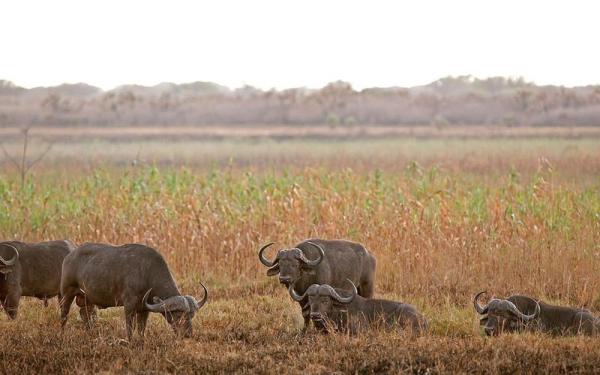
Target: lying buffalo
317 261
518 313
30 269
329 309
106 276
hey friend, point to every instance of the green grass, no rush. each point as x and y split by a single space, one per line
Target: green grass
443 223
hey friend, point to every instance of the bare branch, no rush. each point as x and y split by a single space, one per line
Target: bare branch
10 158
42 155
24 166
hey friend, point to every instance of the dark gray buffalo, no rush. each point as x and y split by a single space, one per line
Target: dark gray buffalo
30 269
130 275
317 261
519 313
330 309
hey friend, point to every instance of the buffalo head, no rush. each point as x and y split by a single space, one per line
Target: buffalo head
502 315
324 302
290 264
178 310
7 265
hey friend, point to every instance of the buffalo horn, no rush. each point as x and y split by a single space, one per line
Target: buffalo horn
204 298
262 258
13 260
345 299
515 310
313 263
481 310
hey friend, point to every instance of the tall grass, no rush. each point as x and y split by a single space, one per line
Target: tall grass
435 234
439 233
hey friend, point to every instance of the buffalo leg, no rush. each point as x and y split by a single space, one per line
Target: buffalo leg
142 319
65 305
87 310
130 315
88 315
366 289
11 304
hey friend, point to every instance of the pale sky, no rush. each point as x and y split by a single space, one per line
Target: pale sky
308 43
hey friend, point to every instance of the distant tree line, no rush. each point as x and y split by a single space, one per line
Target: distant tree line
462 100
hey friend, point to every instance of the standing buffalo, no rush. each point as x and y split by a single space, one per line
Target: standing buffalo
329 309
106 276
31 270
518 313
317 261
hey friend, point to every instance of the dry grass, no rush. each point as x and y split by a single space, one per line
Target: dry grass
256 335
440 230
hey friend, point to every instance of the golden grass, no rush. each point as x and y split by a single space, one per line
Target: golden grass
259 335
441 231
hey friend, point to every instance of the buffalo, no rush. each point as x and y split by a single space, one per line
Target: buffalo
329 309
30 269
317 261
133 276
520 313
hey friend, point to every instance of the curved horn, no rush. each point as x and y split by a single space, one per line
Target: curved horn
175 303
295 296
262 258
515 310
14 259
204 299
345 299
313 263
481 310
155 307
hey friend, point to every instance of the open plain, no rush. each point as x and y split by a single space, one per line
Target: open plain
445 218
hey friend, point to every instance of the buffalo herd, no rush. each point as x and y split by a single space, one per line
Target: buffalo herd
332 280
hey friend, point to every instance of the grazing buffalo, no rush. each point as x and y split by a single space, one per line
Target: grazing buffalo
519 313
329 309
106 276
30 269
317 261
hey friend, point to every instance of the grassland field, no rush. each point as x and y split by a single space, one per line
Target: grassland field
445 219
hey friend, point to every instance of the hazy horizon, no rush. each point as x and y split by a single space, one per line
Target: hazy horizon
285 88
275 44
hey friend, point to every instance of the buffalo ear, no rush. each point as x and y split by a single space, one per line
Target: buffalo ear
273 270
